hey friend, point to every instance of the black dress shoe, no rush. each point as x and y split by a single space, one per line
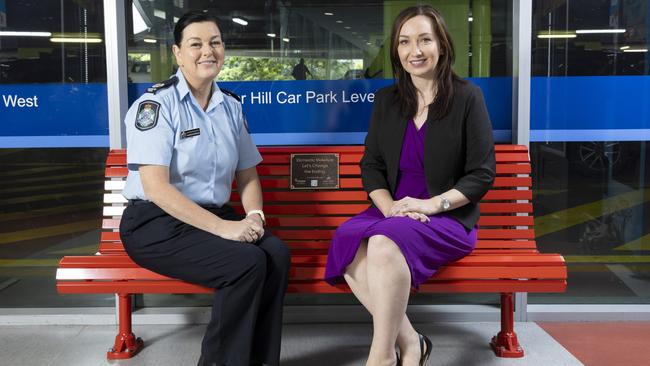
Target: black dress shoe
424 353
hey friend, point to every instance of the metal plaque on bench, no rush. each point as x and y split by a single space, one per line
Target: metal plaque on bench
314 171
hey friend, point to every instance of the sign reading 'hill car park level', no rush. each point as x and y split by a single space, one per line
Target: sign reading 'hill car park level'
301 112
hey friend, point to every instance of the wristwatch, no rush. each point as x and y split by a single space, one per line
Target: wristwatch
259 212
444 203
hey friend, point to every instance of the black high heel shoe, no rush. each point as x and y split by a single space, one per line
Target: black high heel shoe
399 361
424 354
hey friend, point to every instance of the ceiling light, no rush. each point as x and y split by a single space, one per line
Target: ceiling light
150 40
75 40
272 35
470 19
636 50
625 47
328 14
556 35
347 27
24 34
240 21
595 31
285 39
159 14
339 21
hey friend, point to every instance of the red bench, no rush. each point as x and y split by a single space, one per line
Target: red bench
505 260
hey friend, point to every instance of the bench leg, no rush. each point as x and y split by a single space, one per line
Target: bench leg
126 344
505 343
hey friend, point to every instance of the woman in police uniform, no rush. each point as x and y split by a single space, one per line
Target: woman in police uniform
186 142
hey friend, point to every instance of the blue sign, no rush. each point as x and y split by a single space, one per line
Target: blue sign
279 112
53 115
331 112
590 108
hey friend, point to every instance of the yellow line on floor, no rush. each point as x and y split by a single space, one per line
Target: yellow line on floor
607 259
51 196
23 272
29 262
17 172
84 250
49 178
563 219
52 186
47 231
642 243
59 209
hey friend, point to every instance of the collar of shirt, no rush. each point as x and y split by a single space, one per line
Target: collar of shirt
184 91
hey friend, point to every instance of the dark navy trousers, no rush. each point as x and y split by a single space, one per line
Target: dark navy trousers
250 280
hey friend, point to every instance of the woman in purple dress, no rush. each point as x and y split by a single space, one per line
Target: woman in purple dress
428 161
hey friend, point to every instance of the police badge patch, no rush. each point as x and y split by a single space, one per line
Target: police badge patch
147 116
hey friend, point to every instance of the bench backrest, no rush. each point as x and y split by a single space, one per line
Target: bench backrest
307 219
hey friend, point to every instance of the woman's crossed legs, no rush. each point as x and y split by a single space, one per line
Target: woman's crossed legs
380 278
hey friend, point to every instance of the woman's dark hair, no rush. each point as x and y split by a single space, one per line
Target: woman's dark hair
444 74
194 16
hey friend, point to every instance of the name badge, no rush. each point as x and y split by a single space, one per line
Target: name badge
190 133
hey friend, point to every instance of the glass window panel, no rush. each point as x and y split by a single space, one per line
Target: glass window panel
51 197
52 42
590 124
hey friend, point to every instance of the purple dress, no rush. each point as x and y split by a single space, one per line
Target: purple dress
426 246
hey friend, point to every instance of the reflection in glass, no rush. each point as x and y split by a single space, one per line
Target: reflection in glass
52 42
585 37
337 39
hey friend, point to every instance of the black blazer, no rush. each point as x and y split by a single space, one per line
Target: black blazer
458 149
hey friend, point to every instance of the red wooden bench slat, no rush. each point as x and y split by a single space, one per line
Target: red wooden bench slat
283 170
513 169
116 172
327 234
482 246
506 234
510 157
513 260
345 158
466 286
458 273
356 182
107 236
512 182
506 221
321 196
348 209
310 149
352 209
178 287
491 207
284 183
508 194
321 221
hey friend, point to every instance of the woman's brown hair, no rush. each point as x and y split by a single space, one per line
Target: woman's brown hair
444 74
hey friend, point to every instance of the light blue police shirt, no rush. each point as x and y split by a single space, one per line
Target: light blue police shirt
203 149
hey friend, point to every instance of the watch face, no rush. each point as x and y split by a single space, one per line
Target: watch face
445 204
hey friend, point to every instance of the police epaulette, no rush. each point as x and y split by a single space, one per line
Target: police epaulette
162 85
228 92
